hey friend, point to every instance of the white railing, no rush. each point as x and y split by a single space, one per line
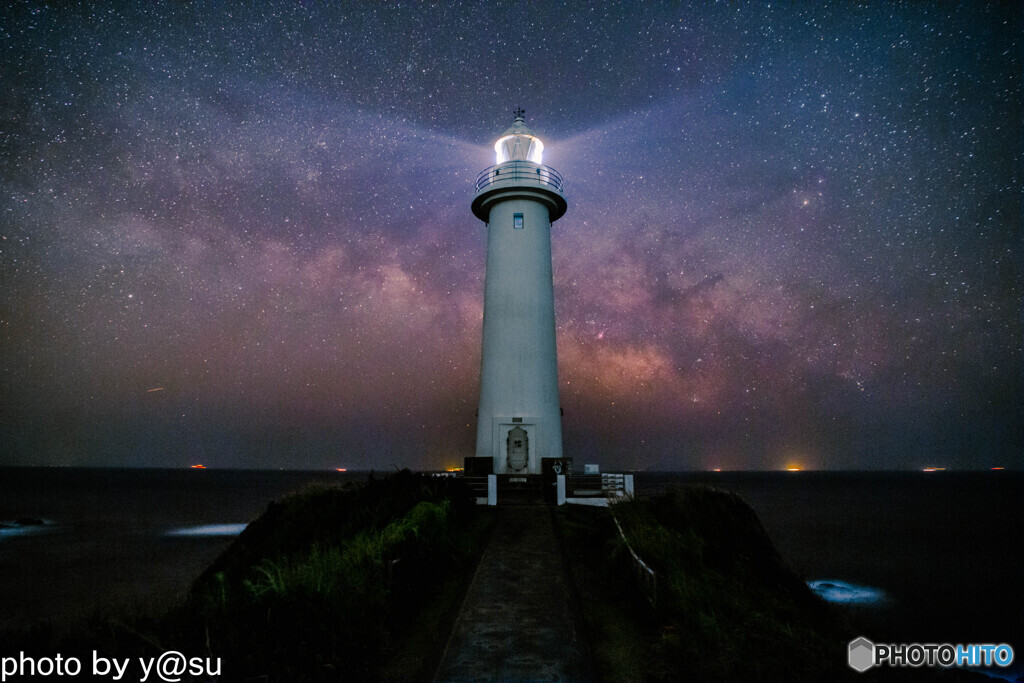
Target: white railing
643 575
519 171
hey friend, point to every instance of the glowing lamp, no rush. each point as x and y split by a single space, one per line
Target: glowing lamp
518 143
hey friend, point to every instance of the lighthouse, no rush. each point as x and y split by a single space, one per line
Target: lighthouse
519 420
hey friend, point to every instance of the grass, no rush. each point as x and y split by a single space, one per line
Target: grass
326 601
414 647
727 607
617 637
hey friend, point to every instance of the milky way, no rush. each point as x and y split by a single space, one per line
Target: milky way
793 238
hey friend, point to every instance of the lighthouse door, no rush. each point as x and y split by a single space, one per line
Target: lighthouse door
518 448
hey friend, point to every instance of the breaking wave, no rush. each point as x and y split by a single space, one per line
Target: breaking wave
23 527
209 530
832 590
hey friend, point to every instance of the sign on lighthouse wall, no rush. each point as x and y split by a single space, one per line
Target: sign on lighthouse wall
519 418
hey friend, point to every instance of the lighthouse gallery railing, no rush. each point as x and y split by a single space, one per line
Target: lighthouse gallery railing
520 171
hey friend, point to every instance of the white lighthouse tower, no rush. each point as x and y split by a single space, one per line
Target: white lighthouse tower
519 420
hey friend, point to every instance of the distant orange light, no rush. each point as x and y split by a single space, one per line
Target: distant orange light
998 468
717 469
934 469
199 467
340 469
792 469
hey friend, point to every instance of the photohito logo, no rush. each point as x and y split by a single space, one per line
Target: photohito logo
863 654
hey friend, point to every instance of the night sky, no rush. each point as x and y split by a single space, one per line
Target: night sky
240 235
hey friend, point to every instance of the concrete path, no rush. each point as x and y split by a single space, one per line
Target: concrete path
518 621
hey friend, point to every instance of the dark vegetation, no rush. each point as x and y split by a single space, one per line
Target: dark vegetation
726 607
364 583
328 583
333 584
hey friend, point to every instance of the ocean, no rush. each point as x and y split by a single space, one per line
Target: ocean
116 540
914 557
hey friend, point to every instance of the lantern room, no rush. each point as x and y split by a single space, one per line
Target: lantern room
518 143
